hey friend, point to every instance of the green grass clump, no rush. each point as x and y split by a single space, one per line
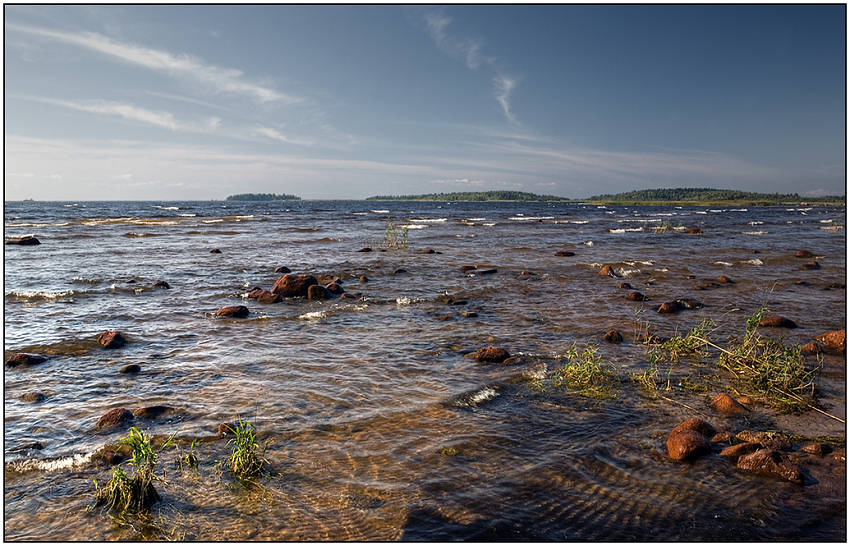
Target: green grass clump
125 494
190 459
395 237
585 374
245 461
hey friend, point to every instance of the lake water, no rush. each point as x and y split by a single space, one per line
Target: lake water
376 422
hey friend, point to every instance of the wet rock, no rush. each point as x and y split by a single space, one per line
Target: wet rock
726 405
399 271
30 446
607 271
162 284
706 285
152 412
690 277
351 296
325 279
803 254
215 251
721 438
690 304
812 348
26 240
282 269
114 418
334 288
131 368
225 429
491 354
263 296
25 359
694 230
565 253
467 267
364 279
111 339
468 314
772 440
112 458
723 279
669 307
443 317
613 336
810 265
426 251
512 360
316 292
836 285
833 342
689 440
365 249
746 401
233 311
776 321
624 285
816 448
771 463
486 271
32 397
293 285
636 296
740 449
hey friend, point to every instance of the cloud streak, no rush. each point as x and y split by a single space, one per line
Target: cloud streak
219 79
504 86
119 109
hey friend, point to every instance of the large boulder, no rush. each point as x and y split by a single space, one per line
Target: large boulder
25 359
263 296
771 463
491 354
111 339
689 440
113 419
833 342
776 321
293 285
233 311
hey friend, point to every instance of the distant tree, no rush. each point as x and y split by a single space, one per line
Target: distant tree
263 197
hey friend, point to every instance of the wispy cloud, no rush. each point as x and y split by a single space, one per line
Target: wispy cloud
468 50
504 85
274 134
119 109
218 79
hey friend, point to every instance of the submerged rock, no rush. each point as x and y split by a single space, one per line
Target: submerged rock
624 285
293 285
816 448
723 279
151 412
131 368
398 271
365 249
282 269
491 354
726 405
111 339
771 463
427 251
25 359
162 284
263 296
706 285
613 336
364 279
810 265
114 418
636 296
467 267
26 240
738 450
233 311
32 397
334 288
772 440
689 440
607 271
317 292
669 307
694 230
833 342
225 428
776 321
565 253
803 254
215 251
112 458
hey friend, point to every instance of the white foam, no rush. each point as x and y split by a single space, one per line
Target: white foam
627 272
314 315
428 220
753 232
727 264
166 208
187 214
216 221
624 230
380 211
754 261
521 217
826 221
489 224
737 210
414 226
475 219
755 223
588 243
51 465
487 393
661 270
42 295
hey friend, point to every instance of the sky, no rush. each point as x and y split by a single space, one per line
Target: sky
345 102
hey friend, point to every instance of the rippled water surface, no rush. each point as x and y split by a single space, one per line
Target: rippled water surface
375 420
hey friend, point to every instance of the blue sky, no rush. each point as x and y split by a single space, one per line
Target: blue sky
199 102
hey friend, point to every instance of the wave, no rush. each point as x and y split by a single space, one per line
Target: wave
414 226
428 220
380 211
474 398
624 230
520 218
27 224
160 207
753 232
40 295
727 264
137 234
754 261
50 465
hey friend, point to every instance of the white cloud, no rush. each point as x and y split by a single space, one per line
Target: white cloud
223 80
504 86
119 109
467 50
274 134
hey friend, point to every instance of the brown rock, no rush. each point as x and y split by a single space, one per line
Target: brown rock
636 296
426 251
263 296
512 360
613 336
225 428
491 354
215 251
810 265
467 267
443 317
607 271
696 425
162 284
112 458
721 438
325 279
706 285
111 339
565 253
687 444
624 285
833 342
726 405
316 292
151 412
740 449
771 463
233 311
694 230
25 359
468 314
114 418
776 321
334 288
32 397
293 285
811 348
723 279
364 279
130 368
486 271
816 448
745 401
669 307
803 254
773 440
399 271
282 269
365 249
26 240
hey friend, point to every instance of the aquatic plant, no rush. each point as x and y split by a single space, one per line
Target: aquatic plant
190 459
244 462
395 237
125 494
585 374
690 345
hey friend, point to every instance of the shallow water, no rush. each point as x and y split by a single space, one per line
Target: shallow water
377 424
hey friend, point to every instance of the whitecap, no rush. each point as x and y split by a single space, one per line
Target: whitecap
489 224
755 223
826 221
753 232
360 213
187 214
727 264
737 210
521 217
754 261
588 243
216 221
50 465
623 272
380 211
624 230
314 315
166 208
428 220
414 226
41 295
700 212
475 219
661 270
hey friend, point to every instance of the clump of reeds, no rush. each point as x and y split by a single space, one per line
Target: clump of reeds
245 461
190 458
395 237
691 345
585 374
125 494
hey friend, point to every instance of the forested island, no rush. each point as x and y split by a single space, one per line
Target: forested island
263 197
705 196
471 196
